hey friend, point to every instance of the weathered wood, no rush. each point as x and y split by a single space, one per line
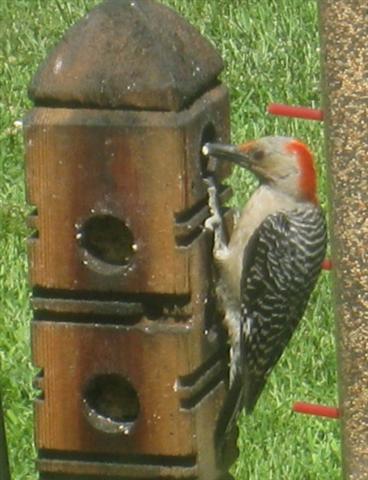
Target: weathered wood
105 168
105 68
131 355
344 33
77 353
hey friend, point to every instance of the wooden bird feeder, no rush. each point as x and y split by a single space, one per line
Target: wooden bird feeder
132 363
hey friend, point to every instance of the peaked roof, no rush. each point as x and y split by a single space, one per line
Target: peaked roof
134 54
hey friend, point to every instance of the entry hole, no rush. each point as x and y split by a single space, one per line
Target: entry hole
208 135
111 404
108 239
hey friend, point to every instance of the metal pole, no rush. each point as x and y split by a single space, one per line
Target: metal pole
4 462
344 34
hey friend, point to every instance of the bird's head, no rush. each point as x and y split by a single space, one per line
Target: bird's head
284 163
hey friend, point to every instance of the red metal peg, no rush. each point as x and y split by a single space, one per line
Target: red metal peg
317 410
327 264
305 113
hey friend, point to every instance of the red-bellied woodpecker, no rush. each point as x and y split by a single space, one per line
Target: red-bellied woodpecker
269 267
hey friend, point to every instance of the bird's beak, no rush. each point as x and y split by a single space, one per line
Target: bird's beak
231 153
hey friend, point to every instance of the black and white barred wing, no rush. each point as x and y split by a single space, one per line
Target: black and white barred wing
280 268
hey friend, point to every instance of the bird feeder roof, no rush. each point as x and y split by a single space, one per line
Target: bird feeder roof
128 54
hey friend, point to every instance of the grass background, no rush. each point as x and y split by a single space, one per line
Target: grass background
271 52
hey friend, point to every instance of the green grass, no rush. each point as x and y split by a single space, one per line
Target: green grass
271 53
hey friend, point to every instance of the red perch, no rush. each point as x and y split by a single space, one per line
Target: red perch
295 112
318 410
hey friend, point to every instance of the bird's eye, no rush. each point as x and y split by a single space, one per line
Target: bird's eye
258 154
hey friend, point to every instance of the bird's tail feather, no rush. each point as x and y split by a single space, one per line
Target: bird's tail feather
251 392
229 412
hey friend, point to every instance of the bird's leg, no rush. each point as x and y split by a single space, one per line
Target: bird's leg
215 222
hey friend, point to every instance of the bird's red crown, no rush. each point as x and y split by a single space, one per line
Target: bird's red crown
308 181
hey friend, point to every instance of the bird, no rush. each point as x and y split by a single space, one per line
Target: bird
267 270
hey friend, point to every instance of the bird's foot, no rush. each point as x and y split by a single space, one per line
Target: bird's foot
215 220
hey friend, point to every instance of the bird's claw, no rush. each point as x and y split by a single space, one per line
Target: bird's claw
215 220
212 223
212 195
